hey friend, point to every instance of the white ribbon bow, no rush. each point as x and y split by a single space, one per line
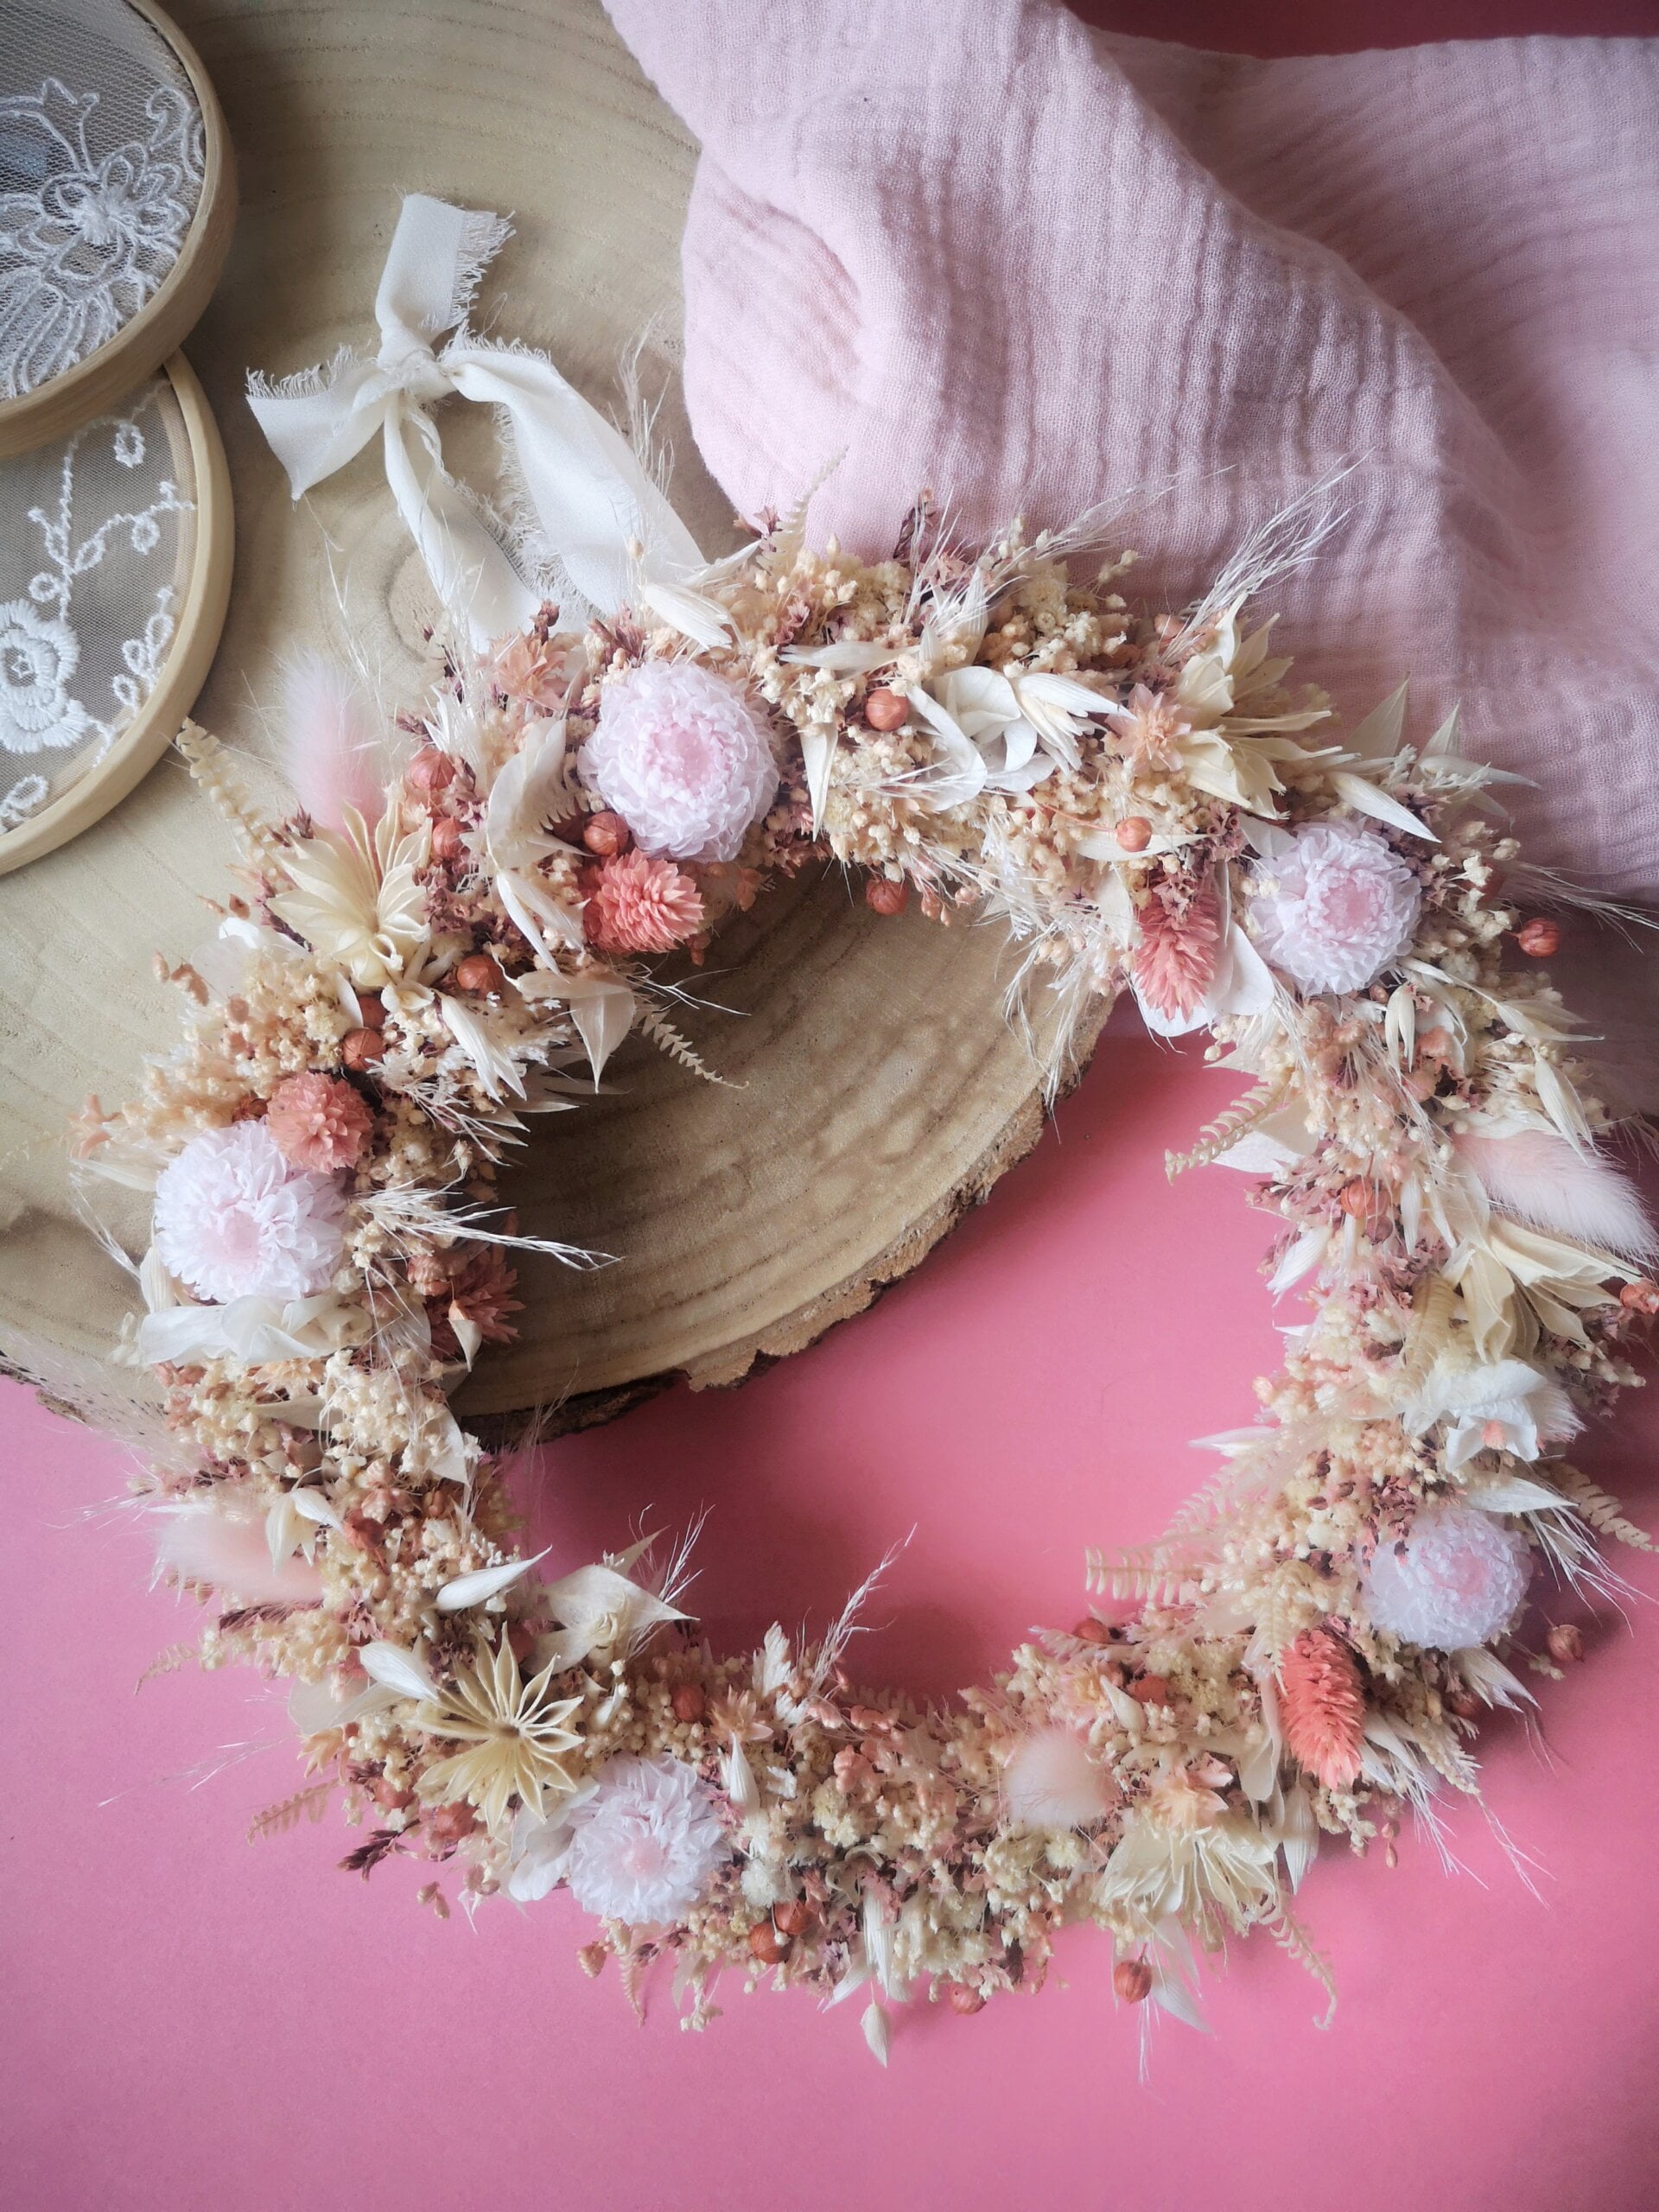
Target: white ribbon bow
589 498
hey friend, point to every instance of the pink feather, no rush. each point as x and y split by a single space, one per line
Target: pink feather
336 753
1541 1180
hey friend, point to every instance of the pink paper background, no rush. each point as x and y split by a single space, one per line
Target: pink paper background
198 2024
195 2024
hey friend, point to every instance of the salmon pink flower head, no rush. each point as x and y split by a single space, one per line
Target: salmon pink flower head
234 1220
685 758
1340 905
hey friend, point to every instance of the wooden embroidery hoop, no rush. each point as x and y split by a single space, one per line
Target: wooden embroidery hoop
199 457
108 375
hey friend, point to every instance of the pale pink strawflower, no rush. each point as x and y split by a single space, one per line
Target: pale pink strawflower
233 1220
685 758
636 904
1341 905
1453 1582
318 1122
640 1846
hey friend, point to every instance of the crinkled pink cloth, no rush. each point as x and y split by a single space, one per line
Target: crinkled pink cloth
969 244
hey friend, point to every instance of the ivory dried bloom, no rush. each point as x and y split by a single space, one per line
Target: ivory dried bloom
683 758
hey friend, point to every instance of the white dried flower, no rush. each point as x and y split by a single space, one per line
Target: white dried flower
1342 905
640 1845
683 758
233 1219
1453 1582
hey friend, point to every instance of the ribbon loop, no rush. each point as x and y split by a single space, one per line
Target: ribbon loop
592 507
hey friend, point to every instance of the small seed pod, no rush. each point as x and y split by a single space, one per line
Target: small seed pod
689 1702
1092 1632
1540 939
965 2000
479 973
361 1048
791 1917
431 770
1132 1979
606 834
767 1945
1132 833
1359 1199
1464 1703
1565 1644
883 896
372 1009
449 838
886 709
1150 1689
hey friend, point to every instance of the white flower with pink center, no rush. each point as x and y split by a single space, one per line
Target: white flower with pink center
1452 1581
683 758
234 1220
1339 905
641 1844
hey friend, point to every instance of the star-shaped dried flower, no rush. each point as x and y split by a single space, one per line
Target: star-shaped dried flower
514 1732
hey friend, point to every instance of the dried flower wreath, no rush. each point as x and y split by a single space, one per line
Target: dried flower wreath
456 923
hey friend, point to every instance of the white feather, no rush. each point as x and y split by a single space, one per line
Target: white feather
1540 1178
229 1553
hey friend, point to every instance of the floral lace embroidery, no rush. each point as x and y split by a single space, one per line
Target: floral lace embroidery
82 251
48 643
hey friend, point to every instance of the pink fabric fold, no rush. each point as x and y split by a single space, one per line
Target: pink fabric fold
970 244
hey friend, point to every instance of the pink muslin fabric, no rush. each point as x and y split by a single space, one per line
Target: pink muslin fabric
971 245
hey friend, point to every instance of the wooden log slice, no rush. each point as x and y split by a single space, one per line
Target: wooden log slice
878 1089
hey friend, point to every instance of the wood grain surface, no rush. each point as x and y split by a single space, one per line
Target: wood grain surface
876 1088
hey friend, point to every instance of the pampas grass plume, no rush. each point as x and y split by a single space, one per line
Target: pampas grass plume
332 747
1052 1783
1541 1180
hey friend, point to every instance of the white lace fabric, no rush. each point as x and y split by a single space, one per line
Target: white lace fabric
97 539
101 166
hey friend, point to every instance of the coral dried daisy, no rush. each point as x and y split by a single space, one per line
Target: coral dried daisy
319 1123
1180 939
636 904
480 1288
1322 1705
1149 729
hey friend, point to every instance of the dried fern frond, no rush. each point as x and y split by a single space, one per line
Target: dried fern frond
167 1662
1153 1573
308 1804
663 1033
206 760
1220 1135
1293 1938
1602 1511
